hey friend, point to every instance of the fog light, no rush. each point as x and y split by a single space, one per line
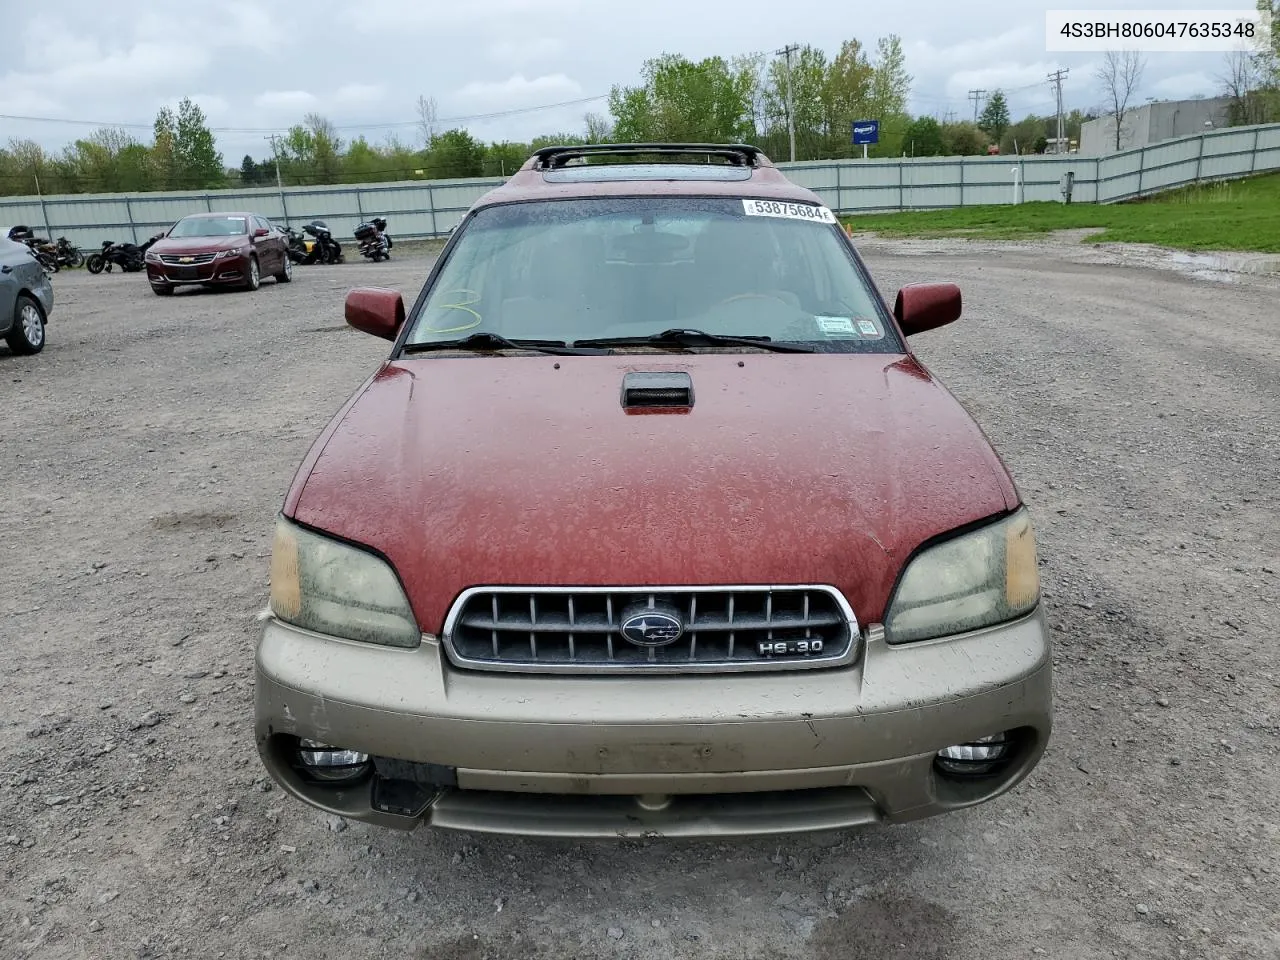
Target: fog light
975 757
326 762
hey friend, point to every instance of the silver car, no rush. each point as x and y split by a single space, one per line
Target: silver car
26 298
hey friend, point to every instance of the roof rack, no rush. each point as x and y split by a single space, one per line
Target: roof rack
738 154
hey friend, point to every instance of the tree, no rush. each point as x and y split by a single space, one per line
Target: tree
995 117
313 151
599 130
556 140
708 101
183 154
1120 74
363 163
163 159
963 139
109 160
1027 136
890 87
923 138
428 118
455 153
248 171
847 94
198 162
808 78
504 159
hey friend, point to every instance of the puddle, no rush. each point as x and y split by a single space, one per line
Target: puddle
1255 263
1215 267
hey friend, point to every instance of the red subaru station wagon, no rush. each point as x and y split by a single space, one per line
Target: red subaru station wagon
218 249
651 524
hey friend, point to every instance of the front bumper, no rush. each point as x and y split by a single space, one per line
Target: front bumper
226 270
674 756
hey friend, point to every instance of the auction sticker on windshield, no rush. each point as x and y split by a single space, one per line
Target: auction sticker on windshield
790 211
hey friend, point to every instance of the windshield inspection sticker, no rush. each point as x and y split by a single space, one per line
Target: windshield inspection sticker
789 211
836 326
868 328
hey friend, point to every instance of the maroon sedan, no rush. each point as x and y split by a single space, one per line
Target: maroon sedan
216 249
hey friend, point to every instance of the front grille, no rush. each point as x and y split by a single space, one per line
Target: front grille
580 629
186 260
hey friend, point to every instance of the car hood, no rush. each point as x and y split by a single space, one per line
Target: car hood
181 245
821 469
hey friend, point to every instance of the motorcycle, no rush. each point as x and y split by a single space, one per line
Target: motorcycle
375 242
127 256
43 250
299 248
330 249
147 246
68 255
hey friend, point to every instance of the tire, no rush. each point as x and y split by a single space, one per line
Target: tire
95 263
336 256
27 334
286 272
77 259
254 280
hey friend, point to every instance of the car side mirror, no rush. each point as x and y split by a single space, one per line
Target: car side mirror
376 310
260 232
926 306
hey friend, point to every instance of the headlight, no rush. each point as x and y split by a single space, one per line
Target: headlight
330 587
152 257
237 252
980 578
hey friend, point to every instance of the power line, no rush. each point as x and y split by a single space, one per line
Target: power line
493 115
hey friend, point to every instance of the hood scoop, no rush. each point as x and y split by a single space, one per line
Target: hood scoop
658 389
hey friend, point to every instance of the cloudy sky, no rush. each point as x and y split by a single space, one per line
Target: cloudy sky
256 67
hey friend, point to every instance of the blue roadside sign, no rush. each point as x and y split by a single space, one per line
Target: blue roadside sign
866 131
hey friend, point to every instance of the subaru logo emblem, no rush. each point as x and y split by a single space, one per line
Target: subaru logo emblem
652 628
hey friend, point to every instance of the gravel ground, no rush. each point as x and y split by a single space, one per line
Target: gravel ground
147 449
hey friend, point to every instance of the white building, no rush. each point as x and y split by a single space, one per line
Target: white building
1153 122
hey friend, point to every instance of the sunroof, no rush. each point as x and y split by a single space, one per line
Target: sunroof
606 172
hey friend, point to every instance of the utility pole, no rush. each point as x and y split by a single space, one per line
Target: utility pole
791 107
1056 79
275 155
976 96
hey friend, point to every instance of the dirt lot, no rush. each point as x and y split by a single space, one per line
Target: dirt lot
145 452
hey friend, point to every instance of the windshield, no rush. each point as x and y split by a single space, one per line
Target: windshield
570 270
209 227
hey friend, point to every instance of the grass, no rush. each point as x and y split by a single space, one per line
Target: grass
1234 215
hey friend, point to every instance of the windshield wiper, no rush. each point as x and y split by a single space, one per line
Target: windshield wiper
681 337
495 341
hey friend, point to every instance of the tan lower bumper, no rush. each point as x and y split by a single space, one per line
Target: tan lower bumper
594 756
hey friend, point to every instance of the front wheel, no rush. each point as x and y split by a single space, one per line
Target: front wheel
95 263
26 336
286 272
254 279
77 259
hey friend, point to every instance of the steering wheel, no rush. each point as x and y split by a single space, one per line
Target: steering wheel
752 296
464 299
